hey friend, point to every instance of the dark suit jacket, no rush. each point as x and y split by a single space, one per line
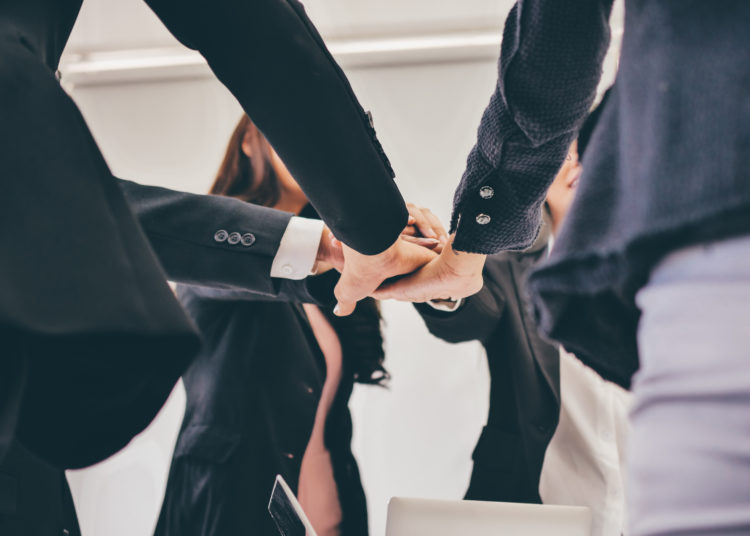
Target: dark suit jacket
34 496
525 379
81 290
252 396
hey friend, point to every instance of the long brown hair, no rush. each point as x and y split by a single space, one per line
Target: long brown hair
249 178
254 180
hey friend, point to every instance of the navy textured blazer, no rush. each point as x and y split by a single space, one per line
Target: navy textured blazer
666 167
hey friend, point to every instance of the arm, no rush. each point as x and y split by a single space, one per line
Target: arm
549 68
317 290
269 55
474 319
190 235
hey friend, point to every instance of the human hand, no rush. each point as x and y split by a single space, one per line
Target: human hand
330 255
451 275
423 222
363 274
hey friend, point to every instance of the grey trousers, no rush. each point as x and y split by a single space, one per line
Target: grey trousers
689 453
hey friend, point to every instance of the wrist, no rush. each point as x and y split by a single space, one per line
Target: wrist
329 252
461 262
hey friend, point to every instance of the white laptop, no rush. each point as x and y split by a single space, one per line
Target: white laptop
426 517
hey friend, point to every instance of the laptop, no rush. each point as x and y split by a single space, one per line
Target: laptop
426 517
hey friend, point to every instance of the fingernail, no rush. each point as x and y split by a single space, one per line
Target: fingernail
337 310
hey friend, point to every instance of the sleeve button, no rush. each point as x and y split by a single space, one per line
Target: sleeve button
221 235
486 192
287 269
248 239
483 219
234 238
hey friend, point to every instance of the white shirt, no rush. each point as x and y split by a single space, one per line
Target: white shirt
298 248
584 462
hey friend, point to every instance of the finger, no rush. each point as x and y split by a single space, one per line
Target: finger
349 290
437 225
422 223
406 289
429 243
409 230
344 309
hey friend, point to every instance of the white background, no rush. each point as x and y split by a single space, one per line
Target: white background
426 69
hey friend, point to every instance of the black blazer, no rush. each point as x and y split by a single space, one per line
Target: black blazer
525 379
181 229
102 338
252 396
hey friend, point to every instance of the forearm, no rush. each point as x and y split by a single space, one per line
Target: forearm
549 69
269 55
474 319
209 240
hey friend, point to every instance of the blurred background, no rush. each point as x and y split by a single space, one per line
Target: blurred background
426 70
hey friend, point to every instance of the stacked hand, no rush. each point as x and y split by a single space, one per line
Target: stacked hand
422 256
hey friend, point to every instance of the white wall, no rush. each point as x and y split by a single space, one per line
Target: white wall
426 69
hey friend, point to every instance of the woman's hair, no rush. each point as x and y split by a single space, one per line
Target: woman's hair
253 179
249 178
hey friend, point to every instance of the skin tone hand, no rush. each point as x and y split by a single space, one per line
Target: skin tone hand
363 274
450 275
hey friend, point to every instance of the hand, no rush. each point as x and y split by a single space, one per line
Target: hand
363 274
451 275
423 222
330 255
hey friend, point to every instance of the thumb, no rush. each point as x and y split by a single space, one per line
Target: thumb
347 294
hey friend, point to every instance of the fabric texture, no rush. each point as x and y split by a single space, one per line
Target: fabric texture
666 167
252 398
585 461
108 339
524 378
689 462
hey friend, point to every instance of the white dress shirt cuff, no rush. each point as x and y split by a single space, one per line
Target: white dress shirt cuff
298 249
447 306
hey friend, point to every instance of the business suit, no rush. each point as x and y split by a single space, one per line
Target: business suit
102 289
525 378
182 228
252 396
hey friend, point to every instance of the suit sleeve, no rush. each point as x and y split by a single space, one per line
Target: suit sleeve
475 319
270 56
191 236
550 65
317 290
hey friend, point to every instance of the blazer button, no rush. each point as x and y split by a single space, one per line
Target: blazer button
486 192
370 119
289 455
248 239
482 219
234 238
221 235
